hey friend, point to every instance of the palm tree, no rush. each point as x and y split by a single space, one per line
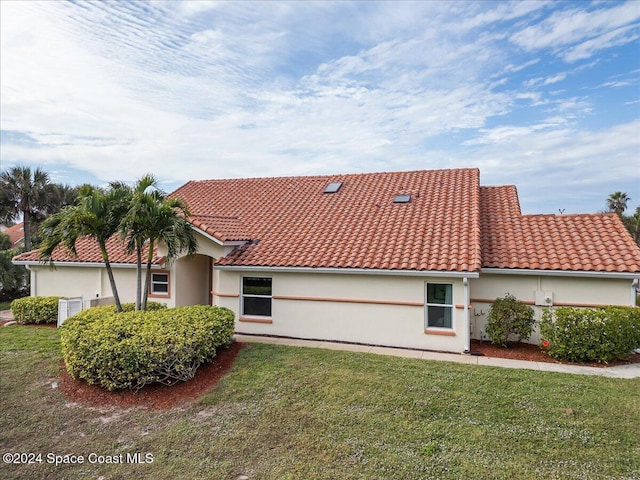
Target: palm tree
63 196
171 228
134 225
155 218
97 215
617 202
24 193
632 222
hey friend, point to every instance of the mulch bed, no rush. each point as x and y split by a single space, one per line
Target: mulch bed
152 396
533 353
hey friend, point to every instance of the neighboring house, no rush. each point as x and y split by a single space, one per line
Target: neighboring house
407 259
15 234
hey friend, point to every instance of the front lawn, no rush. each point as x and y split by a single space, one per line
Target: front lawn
295 413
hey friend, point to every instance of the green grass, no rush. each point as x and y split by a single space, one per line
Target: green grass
294 413
5 305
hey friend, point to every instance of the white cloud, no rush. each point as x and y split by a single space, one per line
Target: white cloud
516 68
200 90
545 81
593 29
619 36
511 134
616 84
560 162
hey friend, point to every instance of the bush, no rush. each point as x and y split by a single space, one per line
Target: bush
600 335
13 278
133 349
151 306
35 310
509 317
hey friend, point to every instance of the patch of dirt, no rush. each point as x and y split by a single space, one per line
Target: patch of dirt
156 396
533 353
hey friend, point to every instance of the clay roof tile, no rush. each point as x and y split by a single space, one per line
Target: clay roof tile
357 227
585 242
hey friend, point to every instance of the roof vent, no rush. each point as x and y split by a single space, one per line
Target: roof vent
333 187
402 198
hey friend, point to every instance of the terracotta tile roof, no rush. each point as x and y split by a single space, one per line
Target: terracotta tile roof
15 233
226 229
588 242
89 252
292 223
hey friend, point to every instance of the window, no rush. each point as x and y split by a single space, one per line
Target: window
402 198
256 296
333 187
159 284
439 305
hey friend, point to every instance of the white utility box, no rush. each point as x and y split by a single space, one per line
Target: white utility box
68 307
544 299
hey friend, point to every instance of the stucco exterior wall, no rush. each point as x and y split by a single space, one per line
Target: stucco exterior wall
371 309
90 283
205 246
85 282
190 281
566 291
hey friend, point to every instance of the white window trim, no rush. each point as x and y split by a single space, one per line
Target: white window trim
427 305
252 295
152 284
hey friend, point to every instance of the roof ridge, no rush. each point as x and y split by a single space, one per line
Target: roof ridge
327 176
560 215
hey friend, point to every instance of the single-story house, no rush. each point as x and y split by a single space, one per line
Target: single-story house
406 259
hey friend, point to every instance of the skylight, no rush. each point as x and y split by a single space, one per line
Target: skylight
402 198
333 187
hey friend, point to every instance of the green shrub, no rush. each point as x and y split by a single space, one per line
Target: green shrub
133 349
151 306
599 335
509 317
35 310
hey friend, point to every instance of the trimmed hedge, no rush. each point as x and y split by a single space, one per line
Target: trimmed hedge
134 349
35 310
602 335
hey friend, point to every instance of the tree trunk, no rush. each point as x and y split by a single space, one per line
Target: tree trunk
26 227
147 283
139 278
112 281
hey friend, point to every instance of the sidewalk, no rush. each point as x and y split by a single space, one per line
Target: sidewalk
622 371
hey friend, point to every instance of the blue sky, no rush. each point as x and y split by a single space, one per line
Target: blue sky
543 95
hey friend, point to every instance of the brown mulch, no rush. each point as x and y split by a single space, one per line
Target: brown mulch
533 353
153 396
